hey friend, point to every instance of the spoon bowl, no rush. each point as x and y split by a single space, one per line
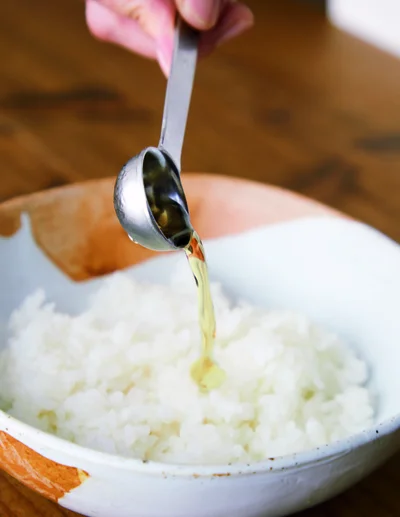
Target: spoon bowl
150 202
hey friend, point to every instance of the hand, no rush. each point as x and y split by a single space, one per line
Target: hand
146 26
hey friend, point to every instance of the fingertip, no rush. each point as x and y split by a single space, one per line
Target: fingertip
163 62
98 19
237 19
164 51
246 15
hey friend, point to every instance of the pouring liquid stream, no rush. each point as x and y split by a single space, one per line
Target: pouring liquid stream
205 372
173 219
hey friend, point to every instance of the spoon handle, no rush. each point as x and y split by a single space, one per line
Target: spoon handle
179 91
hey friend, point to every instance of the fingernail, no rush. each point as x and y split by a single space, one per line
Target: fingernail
202 13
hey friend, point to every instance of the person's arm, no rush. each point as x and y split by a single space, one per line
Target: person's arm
146 26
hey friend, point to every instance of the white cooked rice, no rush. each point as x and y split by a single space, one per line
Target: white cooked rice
117 377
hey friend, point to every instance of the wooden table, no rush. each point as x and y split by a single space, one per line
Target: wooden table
294 103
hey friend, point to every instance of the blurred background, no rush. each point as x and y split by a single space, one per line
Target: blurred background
295 102
308 100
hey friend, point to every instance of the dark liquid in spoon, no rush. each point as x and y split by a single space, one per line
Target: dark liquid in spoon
166 198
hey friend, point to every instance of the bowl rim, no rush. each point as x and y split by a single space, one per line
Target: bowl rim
289 462
46 441
22 199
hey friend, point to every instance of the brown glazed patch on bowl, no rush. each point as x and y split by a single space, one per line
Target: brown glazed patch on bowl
48 478
78 230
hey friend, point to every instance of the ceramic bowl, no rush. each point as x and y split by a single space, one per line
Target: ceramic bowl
353 281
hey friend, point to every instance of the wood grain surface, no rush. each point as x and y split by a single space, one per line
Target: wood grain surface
295 103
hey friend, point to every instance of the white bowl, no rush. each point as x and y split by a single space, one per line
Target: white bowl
341 273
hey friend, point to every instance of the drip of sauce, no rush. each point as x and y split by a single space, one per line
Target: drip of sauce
205 372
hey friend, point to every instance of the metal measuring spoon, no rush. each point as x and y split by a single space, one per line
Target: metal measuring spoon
148 197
